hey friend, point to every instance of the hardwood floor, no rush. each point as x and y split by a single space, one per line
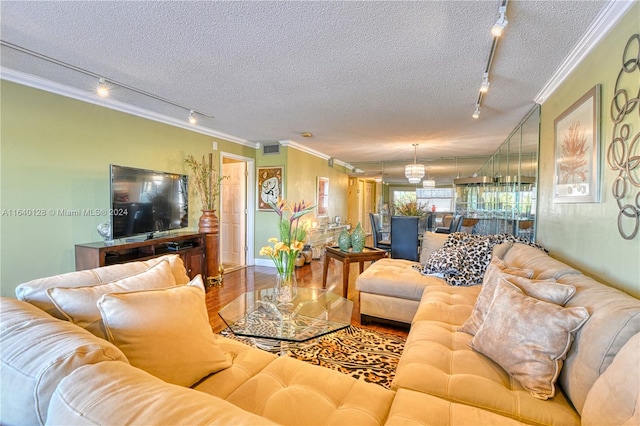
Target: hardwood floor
251 278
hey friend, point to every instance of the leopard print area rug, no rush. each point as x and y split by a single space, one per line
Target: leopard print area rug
366 355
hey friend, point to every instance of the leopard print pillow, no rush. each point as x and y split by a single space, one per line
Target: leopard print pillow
464 258
446 261
476 260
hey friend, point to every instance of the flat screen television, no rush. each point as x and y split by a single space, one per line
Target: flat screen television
147 201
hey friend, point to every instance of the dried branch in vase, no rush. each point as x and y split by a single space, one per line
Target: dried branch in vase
206 180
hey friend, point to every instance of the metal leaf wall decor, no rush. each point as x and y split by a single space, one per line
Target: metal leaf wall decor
623 153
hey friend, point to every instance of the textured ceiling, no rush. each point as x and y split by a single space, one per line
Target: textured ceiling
368 79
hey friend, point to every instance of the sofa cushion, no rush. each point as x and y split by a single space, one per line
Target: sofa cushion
528 337
164 332
247 362
451 305
35 291
37 352
79 304
319 395
438 360
549 291
396 278
614 319
431 241
123 395
524 256
605 404
409 408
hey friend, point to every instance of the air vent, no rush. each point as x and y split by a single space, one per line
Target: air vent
270 149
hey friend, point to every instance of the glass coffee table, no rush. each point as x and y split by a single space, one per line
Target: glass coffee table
315 313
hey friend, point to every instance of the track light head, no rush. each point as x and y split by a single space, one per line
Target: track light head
476 113
501 23
103 88
484 86
192 117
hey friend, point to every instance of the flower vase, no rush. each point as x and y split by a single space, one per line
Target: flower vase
286 290
357 239
344 240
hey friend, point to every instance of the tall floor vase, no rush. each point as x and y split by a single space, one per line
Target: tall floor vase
208 225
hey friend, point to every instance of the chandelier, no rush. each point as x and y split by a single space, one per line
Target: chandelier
429 182
414 172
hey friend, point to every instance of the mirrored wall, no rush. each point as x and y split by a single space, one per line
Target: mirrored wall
501 197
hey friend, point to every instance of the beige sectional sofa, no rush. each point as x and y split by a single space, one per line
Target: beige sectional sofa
56 372
598 382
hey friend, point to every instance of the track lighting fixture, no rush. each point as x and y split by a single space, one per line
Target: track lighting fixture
414 172
496 30
102 89
501 23
484 86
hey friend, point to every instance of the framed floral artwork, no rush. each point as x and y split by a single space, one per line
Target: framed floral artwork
270 186
577 151
322 201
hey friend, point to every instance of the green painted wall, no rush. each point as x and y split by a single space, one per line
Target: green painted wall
55 154
586 235
300 174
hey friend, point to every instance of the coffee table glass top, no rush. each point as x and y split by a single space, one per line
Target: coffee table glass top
315 313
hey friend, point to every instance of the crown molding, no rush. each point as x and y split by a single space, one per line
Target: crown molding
608 17
29 80
299 147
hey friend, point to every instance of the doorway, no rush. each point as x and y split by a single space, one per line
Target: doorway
236 247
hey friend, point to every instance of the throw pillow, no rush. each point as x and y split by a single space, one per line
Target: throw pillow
447 261
164 332
528 338
431 241
477 256
78 304
547 290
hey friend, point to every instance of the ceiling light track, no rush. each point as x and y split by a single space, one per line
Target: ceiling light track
104 83
501 23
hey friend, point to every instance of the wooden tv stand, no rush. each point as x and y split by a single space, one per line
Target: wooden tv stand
95 255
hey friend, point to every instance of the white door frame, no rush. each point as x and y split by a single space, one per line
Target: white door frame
250 202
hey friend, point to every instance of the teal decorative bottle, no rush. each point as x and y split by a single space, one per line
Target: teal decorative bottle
357 239
344 240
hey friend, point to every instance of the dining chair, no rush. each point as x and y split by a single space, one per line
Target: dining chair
377 233
404 237
454 226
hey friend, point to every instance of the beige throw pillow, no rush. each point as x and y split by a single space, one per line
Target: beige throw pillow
528 338
165 332
496 269
78 304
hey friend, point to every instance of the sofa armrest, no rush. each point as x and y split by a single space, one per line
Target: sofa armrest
117 393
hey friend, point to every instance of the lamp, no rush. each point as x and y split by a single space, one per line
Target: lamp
192 117
102 89
414 172
484 86
476 113
428 182
501 23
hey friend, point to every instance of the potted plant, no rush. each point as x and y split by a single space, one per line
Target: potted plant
207 181
411 208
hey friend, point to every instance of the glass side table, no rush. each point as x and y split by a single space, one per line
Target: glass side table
315 313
